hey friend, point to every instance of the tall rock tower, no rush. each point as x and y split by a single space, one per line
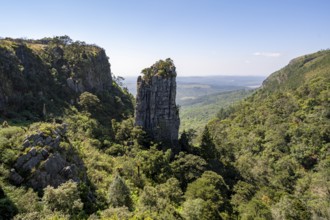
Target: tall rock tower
156 111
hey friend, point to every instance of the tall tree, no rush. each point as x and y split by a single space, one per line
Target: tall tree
207 147
119 193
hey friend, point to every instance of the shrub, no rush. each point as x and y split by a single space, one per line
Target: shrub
65 198
119 193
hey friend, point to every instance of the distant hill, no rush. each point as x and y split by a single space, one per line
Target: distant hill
190 88
278 140
299 71
195 113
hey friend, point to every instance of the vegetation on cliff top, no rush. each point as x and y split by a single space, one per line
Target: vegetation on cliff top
41 78
160 68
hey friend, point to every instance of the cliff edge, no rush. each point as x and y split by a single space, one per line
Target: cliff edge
50 72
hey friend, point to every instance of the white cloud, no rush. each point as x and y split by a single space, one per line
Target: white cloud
267 54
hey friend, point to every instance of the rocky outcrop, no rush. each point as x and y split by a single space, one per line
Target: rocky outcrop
156 110
50 72
92 75
46 161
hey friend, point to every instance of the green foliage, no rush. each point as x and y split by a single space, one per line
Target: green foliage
119 194
187 168
9 143
243 192
7 208
127 134
207 147
100 167
62 39
186 141
195 113
56 215
155 163
170 191
65 198
81 125
211 188
299 71
19 200
256 209
161 201
164 68
277 139
266 157
149 199
88 101
196 209
116 213
291 208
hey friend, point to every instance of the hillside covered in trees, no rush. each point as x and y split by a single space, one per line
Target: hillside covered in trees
82 158
278 142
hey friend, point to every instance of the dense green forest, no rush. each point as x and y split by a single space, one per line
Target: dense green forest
278 142
266 157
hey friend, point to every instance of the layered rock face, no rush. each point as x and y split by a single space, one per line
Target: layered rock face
49 72
93 75
156 110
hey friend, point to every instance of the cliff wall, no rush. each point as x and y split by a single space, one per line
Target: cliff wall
156 111
51 72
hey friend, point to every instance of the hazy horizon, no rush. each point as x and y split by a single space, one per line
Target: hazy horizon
212 37
201 76
205 85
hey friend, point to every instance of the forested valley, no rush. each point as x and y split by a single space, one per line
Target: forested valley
69 147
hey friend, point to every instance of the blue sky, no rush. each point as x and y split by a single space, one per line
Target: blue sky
203 37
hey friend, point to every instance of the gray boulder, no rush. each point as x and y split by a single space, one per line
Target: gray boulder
15 177
32 162
54 164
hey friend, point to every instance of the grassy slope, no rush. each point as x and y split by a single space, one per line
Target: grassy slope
196 113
